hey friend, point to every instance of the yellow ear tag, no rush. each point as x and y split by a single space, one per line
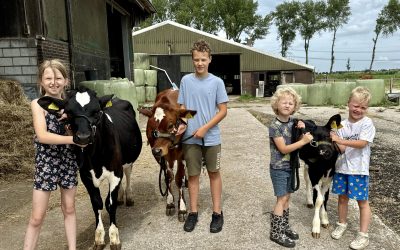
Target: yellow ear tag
109 104
334 126
52 106
188 116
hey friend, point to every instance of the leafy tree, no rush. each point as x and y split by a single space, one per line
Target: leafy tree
259 31
337 14
311 21
201 15
347 65
238 16
164 13
235 17
387 23
286 21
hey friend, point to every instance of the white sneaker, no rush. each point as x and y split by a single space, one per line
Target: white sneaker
339 230
360 242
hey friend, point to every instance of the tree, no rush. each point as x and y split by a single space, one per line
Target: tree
286 21
235 17
311 21
201 15
387 23
259 31
163 13
238 16
337 14
347 65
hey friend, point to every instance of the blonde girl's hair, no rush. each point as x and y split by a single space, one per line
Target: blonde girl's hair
279 93
201 46
361 94
53 64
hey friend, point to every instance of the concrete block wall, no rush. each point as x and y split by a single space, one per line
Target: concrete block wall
18 61
20 57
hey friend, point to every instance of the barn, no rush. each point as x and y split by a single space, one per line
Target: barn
92 36
245 70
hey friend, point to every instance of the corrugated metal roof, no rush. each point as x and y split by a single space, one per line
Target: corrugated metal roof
178 38
145 5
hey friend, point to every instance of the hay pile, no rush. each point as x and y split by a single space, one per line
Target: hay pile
16 136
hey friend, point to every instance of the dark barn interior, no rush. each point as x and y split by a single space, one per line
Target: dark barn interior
227 67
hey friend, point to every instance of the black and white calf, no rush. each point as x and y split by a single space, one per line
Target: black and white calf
114 141
320 156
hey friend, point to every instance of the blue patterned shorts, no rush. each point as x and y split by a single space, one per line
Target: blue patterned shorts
354 186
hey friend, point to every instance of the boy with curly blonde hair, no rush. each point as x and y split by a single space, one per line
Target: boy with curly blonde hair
285 102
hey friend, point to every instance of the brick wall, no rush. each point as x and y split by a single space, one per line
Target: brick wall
50 49
18 61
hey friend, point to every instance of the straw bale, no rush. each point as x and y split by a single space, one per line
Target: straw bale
16 137
11 92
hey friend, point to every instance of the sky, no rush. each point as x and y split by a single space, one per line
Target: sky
353 40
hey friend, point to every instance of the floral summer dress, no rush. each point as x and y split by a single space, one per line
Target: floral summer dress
55 164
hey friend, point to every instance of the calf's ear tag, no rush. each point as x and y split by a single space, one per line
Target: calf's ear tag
52 106
188 115
109 104
334 126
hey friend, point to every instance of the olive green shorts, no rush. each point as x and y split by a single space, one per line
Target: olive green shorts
194 153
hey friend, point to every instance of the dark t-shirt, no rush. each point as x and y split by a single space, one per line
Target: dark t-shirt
280 129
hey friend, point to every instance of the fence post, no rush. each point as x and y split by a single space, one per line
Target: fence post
391 85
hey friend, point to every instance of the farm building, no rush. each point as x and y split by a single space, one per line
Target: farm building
244 69
92 36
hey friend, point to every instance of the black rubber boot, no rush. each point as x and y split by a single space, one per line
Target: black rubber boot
288 231
277 234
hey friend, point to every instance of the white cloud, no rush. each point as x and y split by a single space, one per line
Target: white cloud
353 40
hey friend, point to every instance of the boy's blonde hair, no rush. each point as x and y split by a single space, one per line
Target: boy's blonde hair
201 46
361 94
53 64
279 93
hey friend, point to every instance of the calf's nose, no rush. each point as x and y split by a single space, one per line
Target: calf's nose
83 138
156 152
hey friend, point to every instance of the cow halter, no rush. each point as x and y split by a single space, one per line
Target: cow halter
315 144
170 135
93 124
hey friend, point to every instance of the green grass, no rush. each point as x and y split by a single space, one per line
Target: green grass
246 98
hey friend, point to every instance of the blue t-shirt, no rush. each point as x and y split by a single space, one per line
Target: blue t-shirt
280 129
202 95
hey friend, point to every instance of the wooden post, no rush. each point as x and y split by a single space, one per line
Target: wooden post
390 85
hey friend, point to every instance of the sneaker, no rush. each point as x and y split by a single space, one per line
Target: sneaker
361 241
339 230
216 222
190 222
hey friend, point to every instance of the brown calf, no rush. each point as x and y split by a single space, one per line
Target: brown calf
164 119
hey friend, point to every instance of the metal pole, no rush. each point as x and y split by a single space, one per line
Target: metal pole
169 79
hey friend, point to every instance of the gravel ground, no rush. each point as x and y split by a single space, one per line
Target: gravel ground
247 197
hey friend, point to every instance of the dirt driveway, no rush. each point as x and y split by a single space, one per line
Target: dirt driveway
247 197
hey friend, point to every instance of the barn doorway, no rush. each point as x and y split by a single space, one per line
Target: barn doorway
273 79
227 67
118 43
